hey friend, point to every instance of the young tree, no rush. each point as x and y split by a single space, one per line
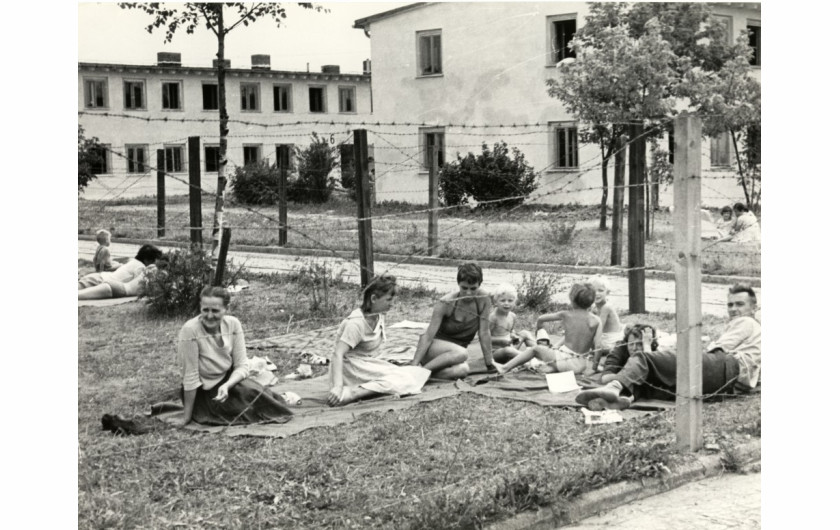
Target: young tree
212 16
89 156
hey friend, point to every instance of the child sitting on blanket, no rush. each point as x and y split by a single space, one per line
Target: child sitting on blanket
612 331
102 256
582 333
502 320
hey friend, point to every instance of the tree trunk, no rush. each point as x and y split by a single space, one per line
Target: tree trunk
741 170
221 182
618 204
605 192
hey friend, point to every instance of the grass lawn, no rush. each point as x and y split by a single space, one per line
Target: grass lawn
459 462
533 234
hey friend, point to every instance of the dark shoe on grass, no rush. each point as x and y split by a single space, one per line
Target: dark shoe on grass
119 425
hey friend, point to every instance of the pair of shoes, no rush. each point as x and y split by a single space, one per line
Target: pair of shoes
304 371
312 358
119 425
609 395
599 404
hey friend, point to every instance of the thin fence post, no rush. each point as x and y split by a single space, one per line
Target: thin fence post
434 183
687 229
223 250
194 162
360 160
282 163
636 221
618 203
161 194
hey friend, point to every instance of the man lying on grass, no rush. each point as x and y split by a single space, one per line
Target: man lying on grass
733 362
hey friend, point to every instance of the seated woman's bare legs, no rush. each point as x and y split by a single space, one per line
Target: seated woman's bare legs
97 292
543 353
355 393
505 354
443 355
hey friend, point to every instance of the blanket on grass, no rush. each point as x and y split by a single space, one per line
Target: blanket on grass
313 410
107 301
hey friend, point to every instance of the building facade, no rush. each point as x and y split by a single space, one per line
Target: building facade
459 74
136 110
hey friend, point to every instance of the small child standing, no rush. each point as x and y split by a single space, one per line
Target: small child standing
612 331
582 333
502 320
102 256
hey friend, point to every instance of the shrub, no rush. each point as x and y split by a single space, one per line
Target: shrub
313 183
175 288
256 183
536 289
89 156
319 282
490 176
559 232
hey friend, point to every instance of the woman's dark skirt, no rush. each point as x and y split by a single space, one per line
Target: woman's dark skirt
247 402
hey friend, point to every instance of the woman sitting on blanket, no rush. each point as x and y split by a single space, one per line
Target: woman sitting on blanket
745 229
128 280
214 369
456 319
356 371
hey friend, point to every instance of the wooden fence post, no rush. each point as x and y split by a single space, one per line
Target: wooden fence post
434 184
194 161
360 159
636 221
223 250
161 194
282 163
687 229
618 203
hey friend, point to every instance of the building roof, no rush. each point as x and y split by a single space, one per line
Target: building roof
233 72
364 23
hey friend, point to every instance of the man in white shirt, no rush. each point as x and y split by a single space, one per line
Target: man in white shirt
733 362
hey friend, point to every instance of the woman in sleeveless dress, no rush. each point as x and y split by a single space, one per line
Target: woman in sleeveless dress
456 319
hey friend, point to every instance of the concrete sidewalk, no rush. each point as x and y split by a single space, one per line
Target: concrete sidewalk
660 293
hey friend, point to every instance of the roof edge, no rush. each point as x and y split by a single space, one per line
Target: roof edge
364 23
210 69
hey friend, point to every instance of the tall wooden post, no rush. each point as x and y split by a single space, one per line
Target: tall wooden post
636 221
194 162
360 160
282 205
223 250
434 183
618 203
688 130
161 194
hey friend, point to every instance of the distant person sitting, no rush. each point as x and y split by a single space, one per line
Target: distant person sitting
724 224
582 334
127 280
733 362
745 229
102 257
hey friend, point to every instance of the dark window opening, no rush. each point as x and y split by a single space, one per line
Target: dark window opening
564 32
210 97
316 99
211 158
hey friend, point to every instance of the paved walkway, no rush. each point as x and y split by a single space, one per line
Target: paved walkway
660 293
727 502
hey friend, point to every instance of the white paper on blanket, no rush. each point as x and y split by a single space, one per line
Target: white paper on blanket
562 382
602 416
410 325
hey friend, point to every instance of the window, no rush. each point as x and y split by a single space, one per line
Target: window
171 95
720 150
283 153
432 140
428 53
565 146
250 96
96 93
210 96
671 144
135 95
346 99
316 99
282 98
101 166
562 30
754 35
727 28
173 156
136 157
753 151
211 158
250 154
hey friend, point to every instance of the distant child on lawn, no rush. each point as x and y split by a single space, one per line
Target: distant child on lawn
502 320
582 333
612 331
102 256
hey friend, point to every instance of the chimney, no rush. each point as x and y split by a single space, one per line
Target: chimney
366 66
169 59
260 62
216 63
330 69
